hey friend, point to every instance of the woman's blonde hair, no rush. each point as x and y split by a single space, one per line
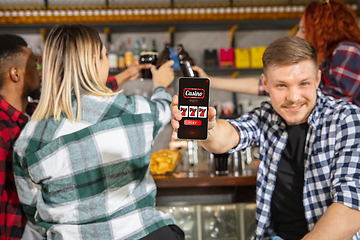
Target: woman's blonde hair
71 66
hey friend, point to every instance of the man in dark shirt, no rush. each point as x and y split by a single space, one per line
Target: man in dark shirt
308 181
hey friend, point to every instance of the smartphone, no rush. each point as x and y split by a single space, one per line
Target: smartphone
194 97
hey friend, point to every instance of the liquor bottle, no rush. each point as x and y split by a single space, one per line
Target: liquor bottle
143 45
137 50
164 56
154 47
113 57
185 62
128 53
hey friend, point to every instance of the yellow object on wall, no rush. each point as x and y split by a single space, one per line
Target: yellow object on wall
242 58
256 54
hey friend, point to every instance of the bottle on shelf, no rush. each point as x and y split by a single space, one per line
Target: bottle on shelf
113 57
143 45
154 47
185 62
164 56
128 56
137 50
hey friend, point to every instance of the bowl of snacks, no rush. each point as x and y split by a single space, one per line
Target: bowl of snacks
164 161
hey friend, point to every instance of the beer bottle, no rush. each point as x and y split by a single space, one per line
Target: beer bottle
164 56
185 62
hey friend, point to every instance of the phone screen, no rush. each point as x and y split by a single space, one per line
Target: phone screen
193 105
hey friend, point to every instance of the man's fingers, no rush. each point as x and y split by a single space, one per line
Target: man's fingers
168 63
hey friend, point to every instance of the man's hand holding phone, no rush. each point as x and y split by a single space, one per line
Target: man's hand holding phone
176 117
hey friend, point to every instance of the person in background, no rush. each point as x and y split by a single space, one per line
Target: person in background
333 29
81 164
19 79
308 181
127 75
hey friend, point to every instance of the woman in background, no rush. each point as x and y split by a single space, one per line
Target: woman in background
82 163
333 29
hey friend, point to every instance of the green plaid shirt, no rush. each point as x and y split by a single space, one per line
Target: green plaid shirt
91 179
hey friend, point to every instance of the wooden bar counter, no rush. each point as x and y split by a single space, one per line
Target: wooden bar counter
184 188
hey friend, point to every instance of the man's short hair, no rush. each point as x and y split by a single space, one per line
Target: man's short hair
10 46
287 51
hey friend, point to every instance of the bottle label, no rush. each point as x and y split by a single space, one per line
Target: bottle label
156 11
49 13
228 10
162 11
281 9
14 13
248 9
169 11
21 13
294 9
96 12
69 13
1 13
116 12
302 8
208 11
83 13
110 12
202 11
275 9
221 10
90 12
7 13
195 11
56 13
176 11
188 11
287 9
235 10
129 12
268 9
142 12
63 13
241 10
76 13
182 11
103 12
35 13
261 9
123 12
149 11
136 12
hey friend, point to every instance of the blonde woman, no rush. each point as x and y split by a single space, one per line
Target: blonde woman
82 163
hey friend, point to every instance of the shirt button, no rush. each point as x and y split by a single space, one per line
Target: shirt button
257 232
269 184
266 207
284 134
274 159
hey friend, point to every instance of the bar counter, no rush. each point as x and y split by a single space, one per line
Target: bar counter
184 188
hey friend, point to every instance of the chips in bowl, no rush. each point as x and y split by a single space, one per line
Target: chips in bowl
164 161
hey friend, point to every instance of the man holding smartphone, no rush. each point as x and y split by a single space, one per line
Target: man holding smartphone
308 183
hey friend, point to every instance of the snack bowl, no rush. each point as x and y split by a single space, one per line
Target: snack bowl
164 161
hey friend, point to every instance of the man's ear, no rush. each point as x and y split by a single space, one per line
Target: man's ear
264 82
14 74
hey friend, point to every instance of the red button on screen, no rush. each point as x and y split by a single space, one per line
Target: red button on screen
192 122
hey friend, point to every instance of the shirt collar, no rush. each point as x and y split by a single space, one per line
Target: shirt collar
14 114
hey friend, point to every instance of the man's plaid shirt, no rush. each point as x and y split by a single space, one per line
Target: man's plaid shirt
12 217
332 153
